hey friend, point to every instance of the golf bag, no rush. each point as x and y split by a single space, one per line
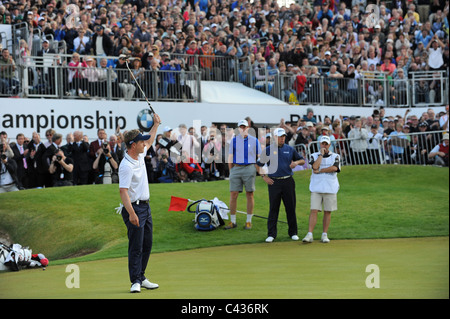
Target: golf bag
207 215
16 257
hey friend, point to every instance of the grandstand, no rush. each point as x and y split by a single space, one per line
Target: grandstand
322 52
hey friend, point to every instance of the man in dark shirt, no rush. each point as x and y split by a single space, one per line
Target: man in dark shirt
281 159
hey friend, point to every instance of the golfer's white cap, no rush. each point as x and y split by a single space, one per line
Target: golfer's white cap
167 129
243 122
325 139
279 132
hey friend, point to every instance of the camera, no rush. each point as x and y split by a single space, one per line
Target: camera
58 157
105 148
2 155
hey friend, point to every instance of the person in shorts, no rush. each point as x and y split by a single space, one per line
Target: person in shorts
242 158
324 187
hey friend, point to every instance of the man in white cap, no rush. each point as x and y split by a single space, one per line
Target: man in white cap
242 158
324 186
281 159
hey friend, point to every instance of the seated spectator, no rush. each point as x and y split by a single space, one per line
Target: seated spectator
440 152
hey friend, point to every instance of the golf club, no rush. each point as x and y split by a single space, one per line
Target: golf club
237 211
142 91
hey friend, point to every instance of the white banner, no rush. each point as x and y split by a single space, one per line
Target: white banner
66 116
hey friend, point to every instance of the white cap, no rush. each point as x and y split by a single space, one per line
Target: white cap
279 132
328 53
167 129
243 122
325 139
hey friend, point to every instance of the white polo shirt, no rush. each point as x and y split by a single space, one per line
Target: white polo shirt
133 176
325 182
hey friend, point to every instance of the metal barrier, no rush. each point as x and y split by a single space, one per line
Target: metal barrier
47 76
396 148
430 88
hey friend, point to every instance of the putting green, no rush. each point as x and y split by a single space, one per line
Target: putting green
408 268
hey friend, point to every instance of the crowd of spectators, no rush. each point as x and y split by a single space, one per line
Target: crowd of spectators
334 38
184 155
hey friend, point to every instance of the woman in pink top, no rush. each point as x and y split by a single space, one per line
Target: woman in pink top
77 81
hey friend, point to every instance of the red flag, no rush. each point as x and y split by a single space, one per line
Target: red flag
178 204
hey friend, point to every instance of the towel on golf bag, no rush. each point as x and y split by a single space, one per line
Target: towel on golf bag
15 257
222 207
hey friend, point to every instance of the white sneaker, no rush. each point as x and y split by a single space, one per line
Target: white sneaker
269 239
149 285
324 238
308 238
295 237
136 287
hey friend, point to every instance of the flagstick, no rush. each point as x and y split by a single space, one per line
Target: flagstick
238 211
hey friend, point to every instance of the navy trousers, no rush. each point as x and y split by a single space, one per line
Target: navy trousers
140 241
282 190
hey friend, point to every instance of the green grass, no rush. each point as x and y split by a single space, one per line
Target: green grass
73 224
409 268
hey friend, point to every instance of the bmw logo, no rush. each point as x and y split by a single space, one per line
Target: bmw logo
145 120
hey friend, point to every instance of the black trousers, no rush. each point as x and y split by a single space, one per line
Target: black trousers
140 241
282 190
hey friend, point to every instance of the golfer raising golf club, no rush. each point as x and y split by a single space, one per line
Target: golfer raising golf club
136 213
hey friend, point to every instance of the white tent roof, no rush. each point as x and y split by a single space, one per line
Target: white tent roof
235 93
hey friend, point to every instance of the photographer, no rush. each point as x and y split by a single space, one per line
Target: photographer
166 168
8 170
188 169
105 156
212 156
60 169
